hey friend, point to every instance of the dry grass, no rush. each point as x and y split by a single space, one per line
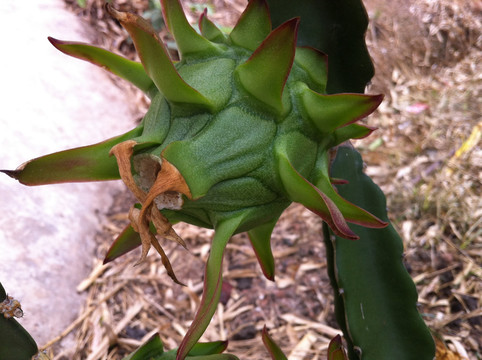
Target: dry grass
127 305
427 158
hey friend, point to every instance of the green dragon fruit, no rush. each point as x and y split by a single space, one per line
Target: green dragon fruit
237 129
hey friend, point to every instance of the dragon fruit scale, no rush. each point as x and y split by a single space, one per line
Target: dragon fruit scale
237 129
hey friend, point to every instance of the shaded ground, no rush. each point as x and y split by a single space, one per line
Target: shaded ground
426 157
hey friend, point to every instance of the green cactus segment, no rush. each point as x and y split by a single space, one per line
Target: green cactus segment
212 284
338 29
273 349
126 69
127 240
260 238
189 42
157 62
264 74
209 30
315 63
329 112
253 26
382 321
88 163
15 342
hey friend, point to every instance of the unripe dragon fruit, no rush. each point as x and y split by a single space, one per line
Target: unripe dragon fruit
237 129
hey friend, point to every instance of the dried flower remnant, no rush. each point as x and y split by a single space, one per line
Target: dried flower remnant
11 308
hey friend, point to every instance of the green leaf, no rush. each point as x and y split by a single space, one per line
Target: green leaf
15 342
375 296
273 349
337 28
213 280
128 70
128 240
87 163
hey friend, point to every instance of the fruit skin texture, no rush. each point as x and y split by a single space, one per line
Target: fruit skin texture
237 129
250 129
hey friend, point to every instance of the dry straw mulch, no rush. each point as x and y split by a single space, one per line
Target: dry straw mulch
426 156
128 304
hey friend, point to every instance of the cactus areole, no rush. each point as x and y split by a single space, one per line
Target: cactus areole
237 129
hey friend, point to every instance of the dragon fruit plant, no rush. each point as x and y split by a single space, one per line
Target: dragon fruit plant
238 128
